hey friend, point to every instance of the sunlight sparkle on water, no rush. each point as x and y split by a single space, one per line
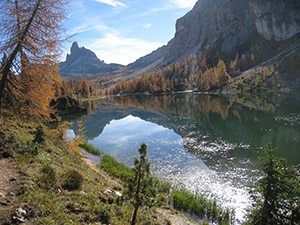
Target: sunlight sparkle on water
170 160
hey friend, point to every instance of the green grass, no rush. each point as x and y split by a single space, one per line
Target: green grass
181 198
44 198
201 206
44 175
90 148
116 168
162 185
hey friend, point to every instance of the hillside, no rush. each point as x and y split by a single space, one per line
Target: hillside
46 176
49 181
248 36
149 59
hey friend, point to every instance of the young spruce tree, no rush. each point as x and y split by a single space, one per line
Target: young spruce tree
140 187
276 197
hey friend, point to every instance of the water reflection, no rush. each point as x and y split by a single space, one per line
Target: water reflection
203 120
121 138
210 143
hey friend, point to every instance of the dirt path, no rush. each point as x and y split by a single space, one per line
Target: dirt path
11 186
173 218
109 182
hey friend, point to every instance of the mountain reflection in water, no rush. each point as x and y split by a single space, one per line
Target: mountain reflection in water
169 160
208 143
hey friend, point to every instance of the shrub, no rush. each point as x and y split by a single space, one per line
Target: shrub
39 136
72 180
29 148
162 185
276 194
105 214
99 213
11 141
48 177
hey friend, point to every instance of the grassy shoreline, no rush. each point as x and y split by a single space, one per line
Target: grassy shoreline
177 196
59 187
54 185
90 148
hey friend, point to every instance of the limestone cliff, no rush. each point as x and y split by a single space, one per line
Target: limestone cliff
228 26
276 19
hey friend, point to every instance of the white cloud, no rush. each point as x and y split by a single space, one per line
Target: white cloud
113 48
146 26
155 10
184 3
170 5
109 44
87 27
76 8
111 2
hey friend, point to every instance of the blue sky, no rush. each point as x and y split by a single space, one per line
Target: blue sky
121 31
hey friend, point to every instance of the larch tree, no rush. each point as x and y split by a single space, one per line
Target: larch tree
85 88
30 34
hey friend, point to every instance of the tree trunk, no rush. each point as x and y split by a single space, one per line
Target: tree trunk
137 195
7 65
133 220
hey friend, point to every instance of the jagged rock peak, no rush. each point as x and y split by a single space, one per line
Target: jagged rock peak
74 47
80 52
84 61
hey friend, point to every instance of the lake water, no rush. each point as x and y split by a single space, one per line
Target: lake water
207 143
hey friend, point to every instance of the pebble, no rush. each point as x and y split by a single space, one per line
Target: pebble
118 193
2 195
108 191
4 202
20 215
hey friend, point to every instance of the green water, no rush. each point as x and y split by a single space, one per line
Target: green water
208 143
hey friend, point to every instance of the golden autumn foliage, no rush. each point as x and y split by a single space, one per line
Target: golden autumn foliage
30 31
38 91
76 87
62 133
191 73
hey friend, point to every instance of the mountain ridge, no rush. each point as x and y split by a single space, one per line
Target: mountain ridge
254 31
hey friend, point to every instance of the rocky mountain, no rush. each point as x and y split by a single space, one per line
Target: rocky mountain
263 32
153 57
229 26
82 61
223 28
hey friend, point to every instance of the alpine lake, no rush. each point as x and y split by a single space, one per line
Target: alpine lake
208 143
